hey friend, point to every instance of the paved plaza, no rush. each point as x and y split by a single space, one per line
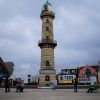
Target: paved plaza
48 94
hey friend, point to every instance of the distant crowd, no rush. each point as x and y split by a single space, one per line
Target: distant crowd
18 83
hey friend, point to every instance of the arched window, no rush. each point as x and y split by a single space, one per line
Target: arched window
47 63
47 28
88 71
61 77
47 37
47 78
47 20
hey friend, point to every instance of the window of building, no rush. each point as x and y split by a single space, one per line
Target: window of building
47 78
71 77
73 71
47 37
47 63
93 74
61 77
88 71
65 77
47 20
67 72
47 28
87 75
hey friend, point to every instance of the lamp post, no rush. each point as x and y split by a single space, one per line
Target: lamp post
77 73
29 79
99 71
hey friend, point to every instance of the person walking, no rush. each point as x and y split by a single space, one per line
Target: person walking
7 84
21 85
53 84
75 84
18 85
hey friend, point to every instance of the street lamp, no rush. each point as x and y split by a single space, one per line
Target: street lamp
29 79
77 74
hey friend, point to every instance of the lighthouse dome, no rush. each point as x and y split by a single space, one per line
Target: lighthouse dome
47 6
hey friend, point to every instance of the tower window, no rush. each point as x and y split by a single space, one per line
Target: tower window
61 77
47 63
47 37
47 20
47 78
47 28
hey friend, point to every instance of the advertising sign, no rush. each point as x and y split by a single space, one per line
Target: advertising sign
93 80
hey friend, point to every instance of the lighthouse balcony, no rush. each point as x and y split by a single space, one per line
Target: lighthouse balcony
47 13
47 41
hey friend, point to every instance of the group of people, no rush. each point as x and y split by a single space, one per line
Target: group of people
91 88
19 85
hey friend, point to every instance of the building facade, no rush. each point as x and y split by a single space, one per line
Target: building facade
84 75
35 79
66 76
86 72
47 44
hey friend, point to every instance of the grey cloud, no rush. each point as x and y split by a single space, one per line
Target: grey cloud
77 31
11 8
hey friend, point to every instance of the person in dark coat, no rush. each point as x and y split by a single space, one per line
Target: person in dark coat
7 84
18 85
75 84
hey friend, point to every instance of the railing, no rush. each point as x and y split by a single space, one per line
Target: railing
47 13
47 41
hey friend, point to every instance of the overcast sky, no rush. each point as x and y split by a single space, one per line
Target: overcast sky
76 29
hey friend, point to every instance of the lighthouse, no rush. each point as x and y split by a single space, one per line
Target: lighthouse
47 45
